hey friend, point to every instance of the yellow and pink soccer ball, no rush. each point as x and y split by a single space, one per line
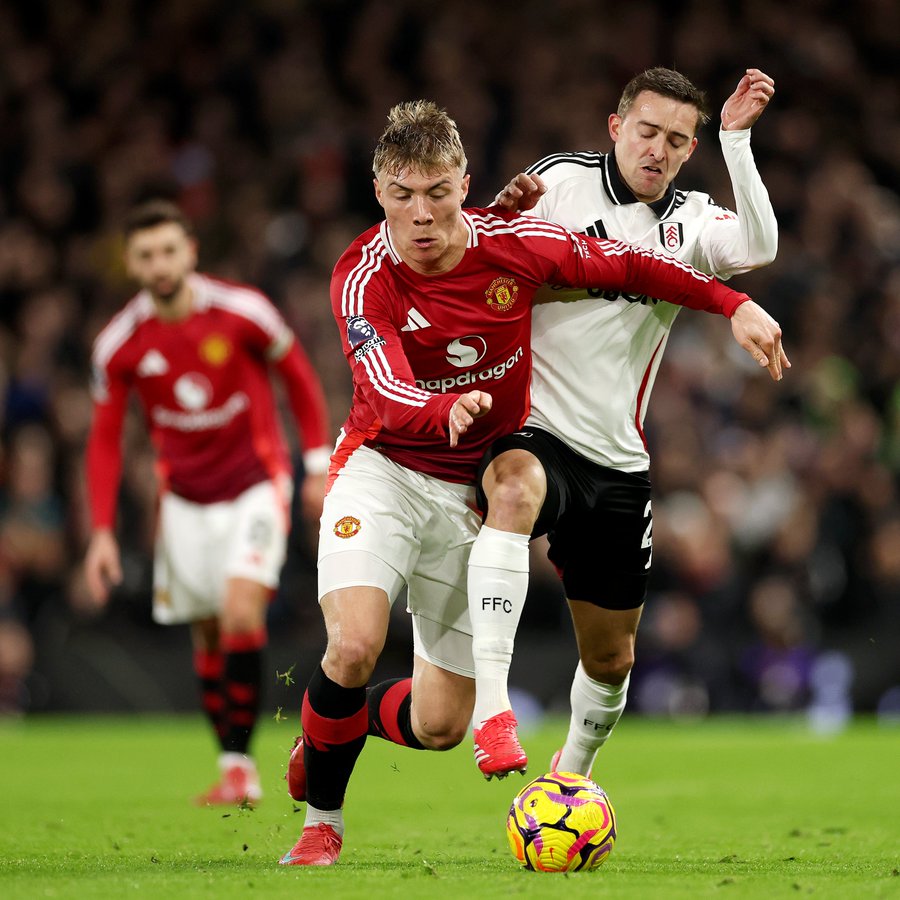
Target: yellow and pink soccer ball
561 822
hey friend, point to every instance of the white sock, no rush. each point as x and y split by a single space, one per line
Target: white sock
332 817
596 708
228 759
498 582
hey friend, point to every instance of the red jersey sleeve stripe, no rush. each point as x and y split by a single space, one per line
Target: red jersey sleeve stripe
381 379
619 248
121 327
371 258
404 386
248 304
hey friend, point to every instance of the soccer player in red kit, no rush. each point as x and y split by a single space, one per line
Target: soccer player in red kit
197 351
434 309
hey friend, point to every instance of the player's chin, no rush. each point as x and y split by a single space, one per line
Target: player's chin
166 292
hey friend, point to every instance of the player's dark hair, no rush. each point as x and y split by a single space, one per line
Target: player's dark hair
152 213
666 83
421 136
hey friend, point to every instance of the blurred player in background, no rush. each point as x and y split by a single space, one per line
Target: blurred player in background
197 351
579 470
434 308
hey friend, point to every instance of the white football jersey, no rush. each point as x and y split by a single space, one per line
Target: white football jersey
596 356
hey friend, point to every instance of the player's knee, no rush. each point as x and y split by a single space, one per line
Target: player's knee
611 666
351 658
240 621
441 735
514 503
515 485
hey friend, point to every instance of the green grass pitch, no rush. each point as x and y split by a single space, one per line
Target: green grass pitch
100 807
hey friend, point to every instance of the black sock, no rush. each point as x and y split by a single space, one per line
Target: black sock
243 680
334 722
390 708
209 665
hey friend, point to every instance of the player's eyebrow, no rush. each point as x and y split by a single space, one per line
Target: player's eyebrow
659 128
441 183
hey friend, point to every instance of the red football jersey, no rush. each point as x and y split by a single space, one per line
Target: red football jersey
416 342
203 382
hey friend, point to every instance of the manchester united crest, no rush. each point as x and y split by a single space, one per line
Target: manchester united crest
502 294
347 527
216 350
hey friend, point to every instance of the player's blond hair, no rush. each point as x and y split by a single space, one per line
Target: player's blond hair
419 136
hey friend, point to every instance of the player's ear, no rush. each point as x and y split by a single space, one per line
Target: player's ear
193 252
465 187
615 125
378 194
691 149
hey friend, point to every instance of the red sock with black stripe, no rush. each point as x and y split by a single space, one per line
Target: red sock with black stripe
390 712
335 720
209 666
242 680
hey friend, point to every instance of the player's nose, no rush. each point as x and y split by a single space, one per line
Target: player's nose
422 212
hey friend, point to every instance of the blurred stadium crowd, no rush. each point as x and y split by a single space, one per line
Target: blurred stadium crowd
777 516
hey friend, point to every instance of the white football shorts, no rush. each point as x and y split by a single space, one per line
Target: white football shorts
199 546
384 525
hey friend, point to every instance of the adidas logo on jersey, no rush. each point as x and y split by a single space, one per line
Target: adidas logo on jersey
152 363
415 320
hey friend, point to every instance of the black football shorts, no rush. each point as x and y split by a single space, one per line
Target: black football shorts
598 521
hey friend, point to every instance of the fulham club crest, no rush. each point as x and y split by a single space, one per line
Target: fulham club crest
671 236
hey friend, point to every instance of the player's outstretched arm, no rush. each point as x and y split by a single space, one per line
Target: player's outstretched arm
521 193
748 102
102 565
760 335
465 411
312 495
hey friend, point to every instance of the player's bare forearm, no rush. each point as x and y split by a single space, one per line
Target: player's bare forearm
760 335
312 495
102 566
465 411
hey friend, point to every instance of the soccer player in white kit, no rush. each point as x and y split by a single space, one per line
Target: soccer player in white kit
197 351
578 470
434 309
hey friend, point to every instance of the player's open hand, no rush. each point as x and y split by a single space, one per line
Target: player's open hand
102 566
760 335
522 193
750 98
465 411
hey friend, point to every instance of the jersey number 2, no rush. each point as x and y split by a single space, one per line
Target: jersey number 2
647 542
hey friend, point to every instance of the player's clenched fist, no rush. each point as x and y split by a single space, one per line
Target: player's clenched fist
465 411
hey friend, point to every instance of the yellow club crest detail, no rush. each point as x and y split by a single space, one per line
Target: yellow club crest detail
502 294
347 527
216 350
